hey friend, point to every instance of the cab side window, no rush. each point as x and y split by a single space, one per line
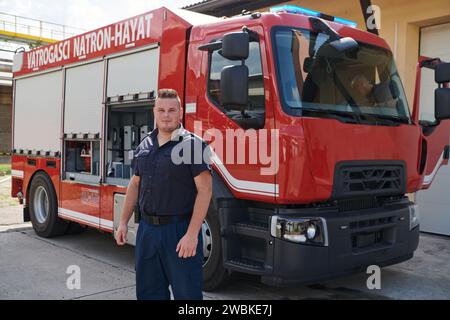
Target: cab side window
254 114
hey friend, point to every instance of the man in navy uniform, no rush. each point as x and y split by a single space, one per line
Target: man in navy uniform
173 199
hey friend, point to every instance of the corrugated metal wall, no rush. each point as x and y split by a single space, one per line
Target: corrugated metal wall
5 118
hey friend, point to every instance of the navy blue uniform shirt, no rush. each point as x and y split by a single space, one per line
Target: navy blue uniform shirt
167 185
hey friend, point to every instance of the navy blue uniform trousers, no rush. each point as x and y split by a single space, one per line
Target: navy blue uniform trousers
158 264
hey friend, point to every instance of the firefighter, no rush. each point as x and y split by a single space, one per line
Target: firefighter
376 95
172 183
362 85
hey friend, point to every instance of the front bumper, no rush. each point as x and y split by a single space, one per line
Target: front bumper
351 247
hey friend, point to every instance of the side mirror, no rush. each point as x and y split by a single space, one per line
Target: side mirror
234 87
339 48
346 44
442 103
442 95
235 45
442 73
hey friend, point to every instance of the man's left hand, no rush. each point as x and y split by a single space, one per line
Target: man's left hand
187 246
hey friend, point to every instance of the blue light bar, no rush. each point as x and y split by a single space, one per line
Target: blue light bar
313 13
296 10
350 23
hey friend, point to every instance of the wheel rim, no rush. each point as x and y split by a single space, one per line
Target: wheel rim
41 204
207 242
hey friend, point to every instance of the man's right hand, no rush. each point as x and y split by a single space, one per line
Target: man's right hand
121 234
131 199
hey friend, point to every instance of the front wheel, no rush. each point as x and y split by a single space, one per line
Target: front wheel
214 273
44 208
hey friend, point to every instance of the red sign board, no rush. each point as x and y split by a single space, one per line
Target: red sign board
130 33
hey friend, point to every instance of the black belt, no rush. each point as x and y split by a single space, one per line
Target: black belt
159 220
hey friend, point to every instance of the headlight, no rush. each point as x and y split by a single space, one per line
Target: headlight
300 230
311 232
413 216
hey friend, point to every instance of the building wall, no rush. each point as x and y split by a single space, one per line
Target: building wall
401 21
5 118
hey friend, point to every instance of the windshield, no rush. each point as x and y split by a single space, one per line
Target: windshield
316 80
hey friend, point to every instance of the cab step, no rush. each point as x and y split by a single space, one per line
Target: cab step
251 229
245 264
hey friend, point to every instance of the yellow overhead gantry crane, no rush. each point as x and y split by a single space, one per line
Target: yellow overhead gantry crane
32 32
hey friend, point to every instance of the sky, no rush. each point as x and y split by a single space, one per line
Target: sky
85 14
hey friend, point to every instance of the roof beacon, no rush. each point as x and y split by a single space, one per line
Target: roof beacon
312 13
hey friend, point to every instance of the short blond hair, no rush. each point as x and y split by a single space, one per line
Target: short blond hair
358 78
169 94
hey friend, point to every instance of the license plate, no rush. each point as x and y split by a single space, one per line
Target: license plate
367 239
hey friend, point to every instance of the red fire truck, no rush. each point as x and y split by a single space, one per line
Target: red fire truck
349 150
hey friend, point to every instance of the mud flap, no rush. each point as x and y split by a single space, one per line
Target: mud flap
26 214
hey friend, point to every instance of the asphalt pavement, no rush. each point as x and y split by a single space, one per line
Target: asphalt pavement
35 268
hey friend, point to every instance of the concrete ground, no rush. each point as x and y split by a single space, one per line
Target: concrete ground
35 268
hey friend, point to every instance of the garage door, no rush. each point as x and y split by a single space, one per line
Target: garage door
434 203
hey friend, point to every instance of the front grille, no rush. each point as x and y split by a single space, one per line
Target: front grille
359 178
356 179
358 204
371 222
372 233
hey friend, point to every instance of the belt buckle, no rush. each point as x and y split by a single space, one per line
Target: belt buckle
155 220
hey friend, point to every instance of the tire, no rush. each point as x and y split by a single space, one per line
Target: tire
214 273
43 208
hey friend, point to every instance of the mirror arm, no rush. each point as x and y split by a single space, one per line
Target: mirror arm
253 35
430 63
213 46
320 25
217 45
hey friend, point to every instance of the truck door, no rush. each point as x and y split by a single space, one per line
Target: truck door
246 150
82 126
435 134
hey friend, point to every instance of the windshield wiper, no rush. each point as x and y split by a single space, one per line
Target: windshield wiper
348 117
351 117
396 119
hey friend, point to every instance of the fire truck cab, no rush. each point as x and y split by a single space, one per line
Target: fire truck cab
327 195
